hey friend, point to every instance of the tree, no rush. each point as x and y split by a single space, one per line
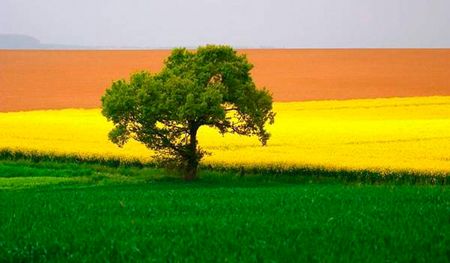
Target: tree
211 86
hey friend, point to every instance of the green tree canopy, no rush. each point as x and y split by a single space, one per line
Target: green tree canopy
211 86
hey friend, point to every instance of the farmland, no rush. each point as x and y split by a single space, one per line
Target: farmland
52 211
360 173
377 134
76 79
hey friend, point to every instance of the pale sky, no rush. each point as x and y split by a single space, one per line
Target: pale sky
241 23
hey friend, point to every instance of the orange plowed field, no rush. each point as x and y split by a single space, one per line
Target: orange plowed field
77 79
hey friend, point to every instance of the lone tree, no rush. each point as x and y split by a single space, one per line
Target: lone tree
211 86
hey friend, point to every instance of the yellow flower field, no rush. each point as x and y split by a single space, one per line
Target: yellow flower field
394 134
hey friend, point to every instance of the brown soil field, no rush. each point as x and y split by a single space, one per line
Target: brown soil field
77 79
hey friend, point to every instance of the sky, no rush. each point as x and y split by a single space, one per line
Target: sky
241 23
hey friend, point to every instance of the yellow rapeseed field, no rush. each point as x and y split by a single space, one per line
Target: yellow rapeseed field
393 134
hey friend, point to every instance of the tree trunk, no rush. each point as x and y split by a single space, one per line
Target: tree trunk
191 171
192 158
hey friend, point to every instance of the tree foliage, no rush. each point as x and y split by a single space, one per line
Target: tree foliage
211 86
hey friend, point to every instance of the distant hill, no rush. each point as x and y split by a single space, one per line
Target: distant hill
16 41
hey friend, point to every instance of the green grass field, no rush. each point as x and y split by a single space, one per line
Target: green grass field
84 212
